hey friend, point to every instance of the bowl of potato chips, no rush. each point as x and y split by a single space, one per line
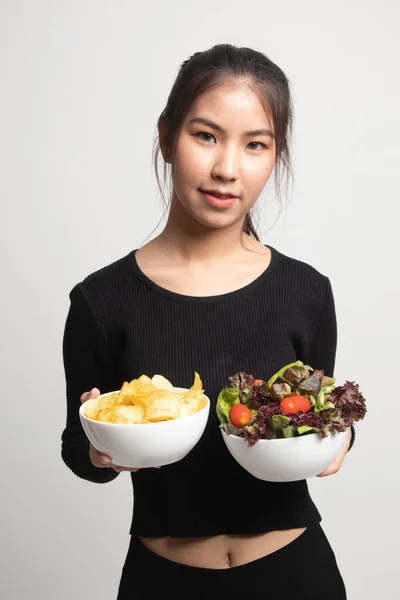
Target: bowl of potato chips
148 422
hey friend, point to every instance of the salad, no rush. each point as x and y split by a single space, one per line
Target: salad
297 400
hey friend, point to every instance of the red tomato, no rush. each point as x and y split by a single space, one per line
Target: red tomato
258 382
289 405
240 415
294 403
303 403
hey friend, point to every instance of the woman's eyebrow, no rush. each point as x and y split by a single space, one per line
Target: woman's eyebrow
213 125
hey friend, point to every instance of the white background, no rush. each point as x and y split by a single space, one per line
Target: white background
82 84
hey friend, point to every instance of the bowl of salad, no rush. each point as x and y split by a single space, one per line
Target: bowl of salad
290 427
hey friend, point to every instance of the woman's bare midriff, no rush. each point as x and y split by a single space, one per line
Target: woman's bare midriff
221 551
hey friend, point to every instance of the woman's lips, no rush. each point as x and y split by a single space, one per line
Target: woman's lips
217 201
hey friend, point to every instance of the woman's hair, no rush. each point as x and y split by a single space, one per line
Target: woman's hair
207 70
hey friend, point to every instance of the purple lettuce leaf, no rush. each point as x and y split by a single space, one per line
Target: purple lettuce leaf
260 395
349 402
309 419
312 384
250 434
244 383
263 428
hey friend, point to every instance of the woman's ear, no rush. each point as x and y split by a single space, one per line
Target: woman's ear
162 133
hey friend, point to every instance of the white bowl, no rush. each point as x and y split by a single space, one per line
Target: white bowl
148 444
286 459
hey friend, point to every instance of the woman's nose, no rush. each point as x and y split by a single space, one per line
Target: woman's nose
226 165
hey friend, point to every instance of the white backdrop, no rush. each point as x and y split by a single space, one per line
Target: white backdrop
82 83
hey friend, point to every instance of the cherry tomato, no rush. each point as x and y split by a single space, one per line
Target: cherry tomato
289 405
303 403
258 382
240 415
294 403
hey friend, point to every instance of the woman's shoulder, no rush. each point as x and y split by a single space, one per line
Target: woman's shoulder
302 279
295 266
105 282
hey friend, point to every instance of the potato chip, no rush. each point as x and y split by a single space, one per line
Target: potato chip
103 414
196 390
162 383
161 406
126 414
191 405
144 379
136 393
107 401
187 408
147 400
91 411
128 392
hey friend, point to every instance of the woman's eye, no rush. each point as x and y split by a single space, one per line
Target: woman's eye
203 133
205 136
260 144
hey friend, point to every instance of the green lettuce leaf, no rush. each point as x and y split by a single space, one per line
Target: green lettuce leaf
289 431
280 373
322 399
279 422
306 429
230 429
226 399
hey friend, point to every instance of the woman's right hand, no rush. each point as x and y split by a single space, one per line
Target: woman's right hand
98 459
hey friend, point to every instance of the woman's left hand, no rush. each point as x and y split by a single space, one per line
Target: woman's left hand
337 463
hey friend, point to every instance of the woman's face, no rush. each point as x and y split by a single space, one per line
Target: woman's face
215 151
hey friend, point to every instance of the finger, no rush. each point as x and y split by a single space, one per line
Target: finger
327 470
324 473
336 464
94 392
100 459
331 469
120 469
105 460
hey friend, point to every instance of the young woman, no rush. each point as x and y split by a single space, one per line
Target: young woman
206 295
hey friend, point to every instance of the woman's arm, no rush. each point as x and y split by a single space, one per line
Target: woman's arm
86 365
322 350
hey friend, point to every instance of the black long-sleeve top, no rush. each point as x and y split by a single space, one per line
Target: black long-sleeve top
121 325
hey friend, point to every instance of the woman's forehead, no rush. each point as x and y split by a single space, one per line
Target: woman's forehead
231 106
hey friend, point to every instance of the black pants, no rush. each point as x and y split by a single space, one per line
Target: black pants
304 569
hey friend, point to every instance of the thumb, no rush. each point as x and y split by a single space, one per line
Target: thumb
94 392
